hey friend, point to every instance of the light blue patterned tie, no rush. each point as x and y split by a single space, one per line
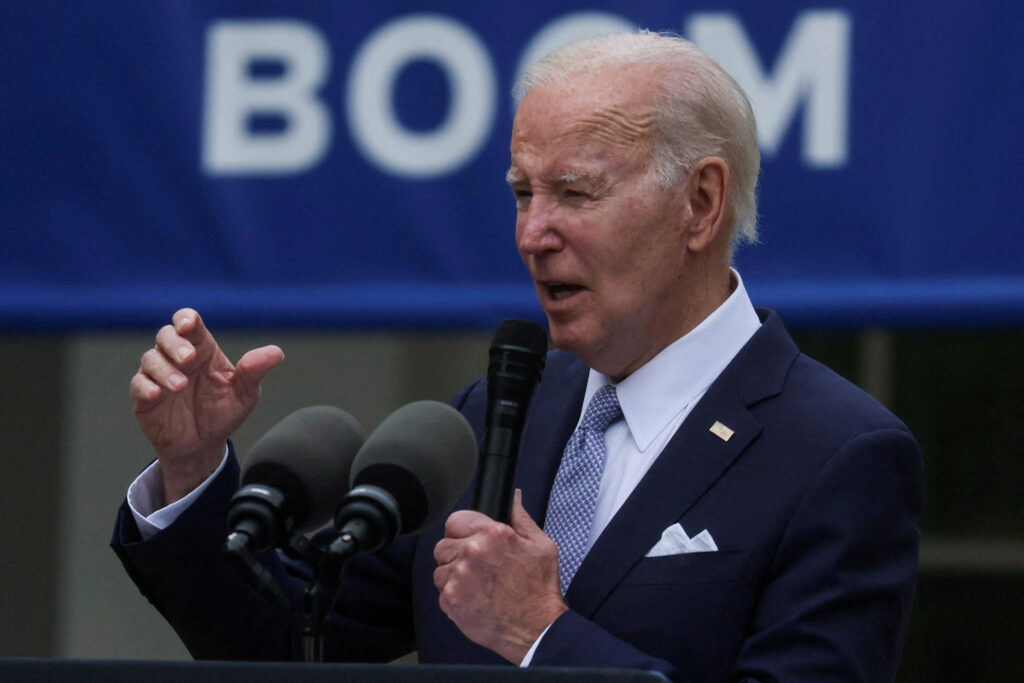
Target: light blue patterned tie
574 493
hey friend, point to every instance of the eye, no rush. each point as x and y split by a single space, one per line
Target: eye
577 196
523 197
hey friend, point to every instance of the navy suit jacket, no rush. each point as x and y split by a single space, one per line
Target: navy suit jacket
814 503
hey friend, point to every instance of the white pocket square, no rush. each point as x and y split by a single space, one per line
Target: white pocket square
674 541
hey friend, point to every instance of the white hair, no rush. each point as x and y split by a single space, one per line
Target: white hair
699 110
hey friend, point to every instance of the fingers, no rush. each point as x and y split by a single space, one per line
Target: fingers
457 528
192 336
254 366
468 529
465 523
454 558
174 347
156 373
468 532
442 575
520 519
165 367
144 392
189 324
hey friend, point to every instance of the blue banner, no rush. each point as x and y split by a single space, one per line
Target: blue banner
331 165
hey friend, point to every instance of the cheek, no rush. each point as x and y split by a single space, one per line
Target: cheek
641 273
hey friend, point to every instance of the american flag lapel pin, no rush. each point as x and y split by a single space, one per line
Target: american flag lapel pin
721 431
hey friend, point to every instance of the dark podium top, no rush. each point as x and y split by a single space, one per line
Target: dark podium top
30 670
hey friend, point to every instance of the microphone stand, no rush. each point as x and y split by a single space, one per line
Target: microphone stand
367 522
238 555
309 623
321 594
368 519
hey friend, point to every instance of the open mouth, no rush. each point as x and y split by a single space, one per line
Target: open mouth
561 291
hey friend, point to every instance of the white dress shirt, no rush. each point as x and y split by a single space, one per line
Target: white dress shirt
146 497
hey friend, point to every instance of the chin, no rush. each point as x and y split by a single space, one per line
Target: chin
570 338
560 339
596 350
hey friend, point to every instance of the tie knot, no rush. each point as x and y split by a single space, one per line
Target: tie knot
602 410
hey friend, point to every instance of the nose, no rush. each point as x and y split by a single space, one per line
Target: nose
537 228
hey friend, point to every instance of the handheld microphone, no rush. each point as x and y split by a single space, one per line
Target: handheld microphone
293 477
407 475
517 358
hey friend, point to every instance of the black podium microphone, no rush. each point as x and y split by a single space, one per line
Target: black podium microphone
405 478
408 475
294 476
516 362
291 481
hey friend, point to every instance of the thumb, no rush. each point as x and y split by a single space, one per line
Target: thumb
520 520
254 365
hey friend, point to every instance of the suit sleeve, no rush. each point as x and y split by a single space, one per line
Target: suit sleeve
181 571
835 600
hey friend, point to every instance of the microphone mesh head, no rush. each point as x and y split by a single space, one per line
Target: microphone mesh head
528 336
424 454
308 456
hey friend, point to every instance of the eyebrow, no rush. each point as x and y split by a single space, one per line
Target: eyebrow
568 177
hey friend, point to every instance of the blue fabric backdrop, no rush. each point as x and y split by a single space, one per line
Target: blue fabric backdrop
139 172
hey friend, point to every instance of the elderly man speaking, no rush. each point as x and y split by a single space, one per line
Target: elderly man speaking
697 498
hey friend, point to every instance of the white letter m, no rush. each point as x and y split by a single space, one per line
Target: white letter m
812 69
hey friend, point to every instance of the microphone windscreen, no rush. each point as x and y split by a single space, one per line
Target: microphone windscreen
523 334
307 456
423 454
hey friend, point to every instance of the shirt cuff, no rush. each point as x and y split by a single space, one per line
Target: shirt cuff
145 497
533 648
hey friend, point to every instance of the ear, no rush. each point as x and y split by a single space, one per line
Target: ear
708 193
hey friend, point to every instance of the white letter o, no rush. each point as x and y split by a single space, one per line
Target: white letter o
378 133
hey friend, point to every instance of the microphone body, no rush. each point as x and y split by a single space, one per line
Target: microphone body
517 357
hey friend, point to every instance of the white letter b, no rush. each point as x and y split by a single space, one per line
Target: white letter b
235 94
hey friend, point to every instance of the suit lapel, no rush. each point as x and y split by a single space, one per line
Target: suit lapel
691 463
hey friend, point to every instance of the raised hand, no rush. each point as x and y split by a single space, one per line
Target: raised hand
188 399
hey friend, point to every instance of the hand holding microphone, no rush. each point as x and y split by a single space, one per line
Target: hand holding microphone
499 584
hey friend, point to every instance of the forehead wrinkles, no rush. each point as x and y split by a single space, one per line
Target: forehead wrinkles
554 126
615 127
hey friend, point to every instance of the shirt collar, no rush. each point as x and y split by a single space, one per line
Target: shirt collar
680 374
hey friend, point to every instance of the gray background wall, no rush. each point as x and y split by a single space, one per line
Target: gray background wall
72 447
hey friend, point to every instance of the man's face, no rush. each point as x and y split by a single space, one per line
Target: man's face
604 243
